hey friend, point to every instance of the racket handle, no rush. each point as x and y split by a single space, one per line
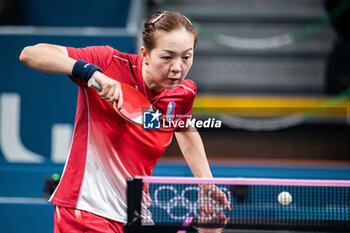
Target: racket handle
94 84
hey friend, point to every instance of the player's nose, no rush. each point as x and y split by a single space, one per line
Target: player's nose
176 66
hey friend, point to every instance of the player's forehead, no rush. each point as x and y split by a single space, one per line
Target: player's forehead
177 41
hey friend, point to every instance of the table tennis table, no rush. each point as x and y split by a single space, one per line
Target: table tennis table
173 204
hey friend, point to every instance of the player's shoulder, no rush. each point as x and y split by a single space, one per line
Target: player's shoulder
99 48
187 87
126 57
106 49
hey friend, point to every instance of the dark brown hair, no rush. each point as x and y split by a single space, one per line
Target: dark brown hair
165 21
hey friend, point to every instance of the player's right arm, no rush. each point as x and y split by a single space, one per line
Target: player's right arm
54 59
47 58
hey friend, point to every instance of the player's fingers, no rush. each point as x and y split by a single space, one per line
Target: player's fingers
227 204
209 210
114 94
202 213
221 215
103 92
223 200
120 98
107 88
205 210
110 95
228 207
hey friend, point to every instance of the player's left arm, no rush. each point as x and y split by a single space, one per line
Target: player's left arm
192 149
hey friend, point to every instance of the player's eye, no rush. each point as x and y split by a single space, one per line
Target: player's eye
186 57
166 58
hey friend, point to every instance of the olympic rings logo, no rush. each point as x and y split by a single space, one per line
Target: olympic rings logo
191 207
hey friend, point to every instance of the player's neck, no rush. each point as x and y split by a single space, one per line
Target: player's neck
147 79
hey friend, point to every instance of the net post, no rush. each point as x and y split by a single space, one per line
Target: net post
134 196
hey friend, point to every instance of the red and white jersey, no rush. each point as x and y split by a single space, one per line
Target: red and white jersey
106 149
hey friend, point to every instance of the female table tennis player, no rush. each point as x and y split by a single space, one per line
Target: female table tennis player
106 149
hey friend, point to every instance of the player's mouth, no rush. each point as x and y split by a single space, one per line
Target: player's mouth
172 82
174 79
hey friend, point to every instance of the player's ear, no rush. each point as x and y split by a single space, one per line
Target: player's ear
144 55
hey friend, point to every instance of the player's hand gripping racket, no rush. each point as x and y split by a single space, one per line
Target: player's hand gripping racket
134 103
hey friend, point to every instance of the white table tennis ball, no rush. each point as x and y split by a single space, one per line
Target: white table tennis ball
284 198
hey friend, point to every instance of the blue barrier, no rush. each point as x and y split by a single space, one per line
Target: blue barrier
26 217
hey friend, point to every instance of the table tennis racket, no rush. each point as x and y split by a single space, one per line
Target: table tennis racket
134 102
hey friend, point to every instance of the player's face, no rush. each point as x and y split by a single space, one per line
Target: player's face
169 62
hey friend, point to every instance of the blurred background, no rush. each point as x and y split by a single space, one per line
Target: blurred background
276 73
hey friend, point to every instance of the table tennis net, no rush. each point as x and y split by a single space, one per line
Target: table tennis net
193 202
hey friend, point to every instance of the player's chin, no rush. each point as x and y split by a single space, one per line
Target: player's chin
171 83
